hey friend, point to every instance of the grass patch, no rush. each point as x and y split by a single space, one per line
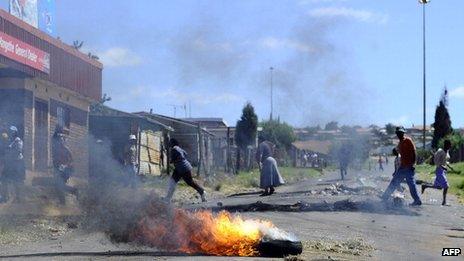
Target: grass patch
426 172
228 183
249 180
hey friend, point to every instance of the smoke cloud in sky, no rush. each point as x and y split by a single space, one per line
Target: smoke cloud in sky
207 52
313 81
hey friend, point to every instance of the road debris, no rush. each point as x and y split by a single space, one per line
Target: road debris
356 246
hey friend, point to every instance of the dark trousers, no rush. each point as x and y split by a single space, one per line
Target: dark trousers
5 189
343 172
187 177
61 180
132 177
403 174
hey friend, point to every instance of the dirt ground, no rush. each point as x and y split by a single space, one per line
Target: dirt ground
328 230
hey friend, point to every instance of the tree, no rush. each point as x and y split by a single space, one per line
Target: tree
333 125
281 134
245 132
456 140
312 129
347 129
442 124
390 128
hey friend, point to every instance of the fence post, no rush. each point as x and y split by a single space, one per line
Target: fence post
228 151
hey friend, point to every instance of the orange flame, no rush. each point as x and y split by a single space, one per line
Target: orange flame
200 232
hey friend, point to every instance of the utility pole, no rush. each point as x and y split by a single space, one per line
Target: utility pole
174 107
424 2
272 94
185 109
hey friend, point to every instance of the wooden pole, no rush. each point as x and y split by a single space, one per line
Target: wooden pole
228 151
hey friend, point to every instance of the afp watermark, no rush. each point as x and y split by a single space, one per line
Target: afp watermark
451 252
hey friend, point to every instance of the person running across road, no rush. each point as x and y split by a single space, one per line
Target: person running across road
407 150
182 170
441 159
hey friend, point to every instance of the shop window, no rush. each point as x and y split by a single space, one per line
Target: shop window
62 115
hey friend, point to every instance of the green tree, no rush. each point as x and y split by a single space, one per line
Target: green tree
456 140
312 129
281 134
245 132
347 129
333 125
390 128
442 124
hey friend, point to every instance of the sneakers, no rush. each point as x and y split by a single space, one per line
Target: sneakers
203 197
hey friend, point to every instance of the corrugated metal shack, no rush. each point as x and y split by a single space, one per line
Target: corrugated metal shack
192 137
115 126
222 144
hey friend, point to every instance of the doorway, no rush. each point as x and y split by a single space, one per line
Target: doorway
41 135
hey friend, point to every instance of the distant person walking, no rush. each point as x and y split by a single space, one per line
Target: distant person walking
380 163
269 173
441 159
406 171
62 165
14 172
344 160
131 161
182 170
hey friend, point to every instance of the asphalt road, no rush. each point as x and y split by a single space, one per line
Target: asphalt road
409 234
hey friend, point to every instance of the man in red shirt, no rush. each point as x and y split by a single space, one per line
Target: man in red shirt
406 171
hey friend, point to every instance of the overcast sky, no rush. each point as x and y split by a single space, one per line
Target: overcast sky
354 61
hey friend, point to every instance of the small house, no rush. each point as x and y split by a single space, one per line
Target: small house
114 127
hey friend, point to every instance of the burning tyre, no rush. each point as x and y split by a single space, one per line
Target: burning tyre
203 232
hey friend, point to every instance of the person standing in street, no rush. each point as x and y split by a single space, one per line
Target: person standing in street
269 173
14 172
441 159
182 170
62 165
407 150
131 161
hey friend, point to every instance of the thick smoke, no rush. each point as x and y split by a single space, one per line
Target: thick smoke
203 51
319 84
315 81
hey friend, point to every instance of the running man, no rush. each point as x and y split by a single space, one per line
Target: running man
182 170
407 150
